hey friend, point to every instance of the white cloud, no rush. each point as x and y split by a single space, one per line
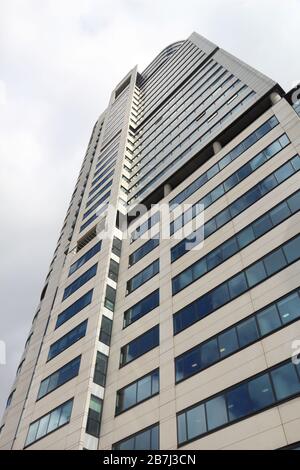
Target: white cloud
59 61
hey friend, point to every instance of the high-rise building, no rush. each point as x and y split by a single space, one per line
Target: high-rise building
142 338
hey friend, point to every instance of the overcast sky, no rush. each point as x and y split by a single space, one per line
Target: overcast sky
59 61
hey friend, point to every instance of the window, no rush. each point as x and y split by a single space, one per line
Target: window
137 392
140 345
228 158
113 271
75 308
87 256
9 400
80 281
139 231
67 340
105 330
147 439
49 423
97 204
258 325
141 308
110 298
102 190
60 377
94 416
144 250
235 208
100 369
240 401
143 276
117 246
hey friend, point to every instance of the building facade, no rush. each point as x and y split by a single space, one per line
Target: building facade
151 337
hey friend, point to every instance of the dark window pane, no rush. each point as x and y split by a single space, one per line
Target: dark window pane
209 353
188 364
229 248
216 412
274 262
255 273
247 332
245 237
144 388
239 402
289 308
294 202
268 320
285 381
268 184
228 342
292 249
279 213
237 285
260 392
143 440
262 225
222 218
257 161
219 296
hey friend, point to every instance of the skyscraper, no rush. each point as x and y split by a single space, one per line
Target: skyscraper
151 337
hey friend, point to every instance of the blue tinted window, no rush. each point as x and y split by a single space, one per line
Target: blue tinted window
143 250
140 345
228 342
80 281
147 439
76 307
256 273
132 394
60 377
48 423
143 276
286 381
268 320
247 332
141 308
87 256
67 340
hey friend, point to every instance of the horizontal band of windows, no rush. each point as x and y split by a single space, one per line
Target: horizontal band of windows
96 205
141 308
170 148
247 398
98 178
193 87
50 422
199 88
59 377
86 257
242 203
191 107
107 162
259 271
246 332
236 152
80 281
137 392
145 275
188 121
146 439
88 222
231 182
67 340
139 346
145 226
101 183
195 144
108 185
146 248
75 308
236 243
